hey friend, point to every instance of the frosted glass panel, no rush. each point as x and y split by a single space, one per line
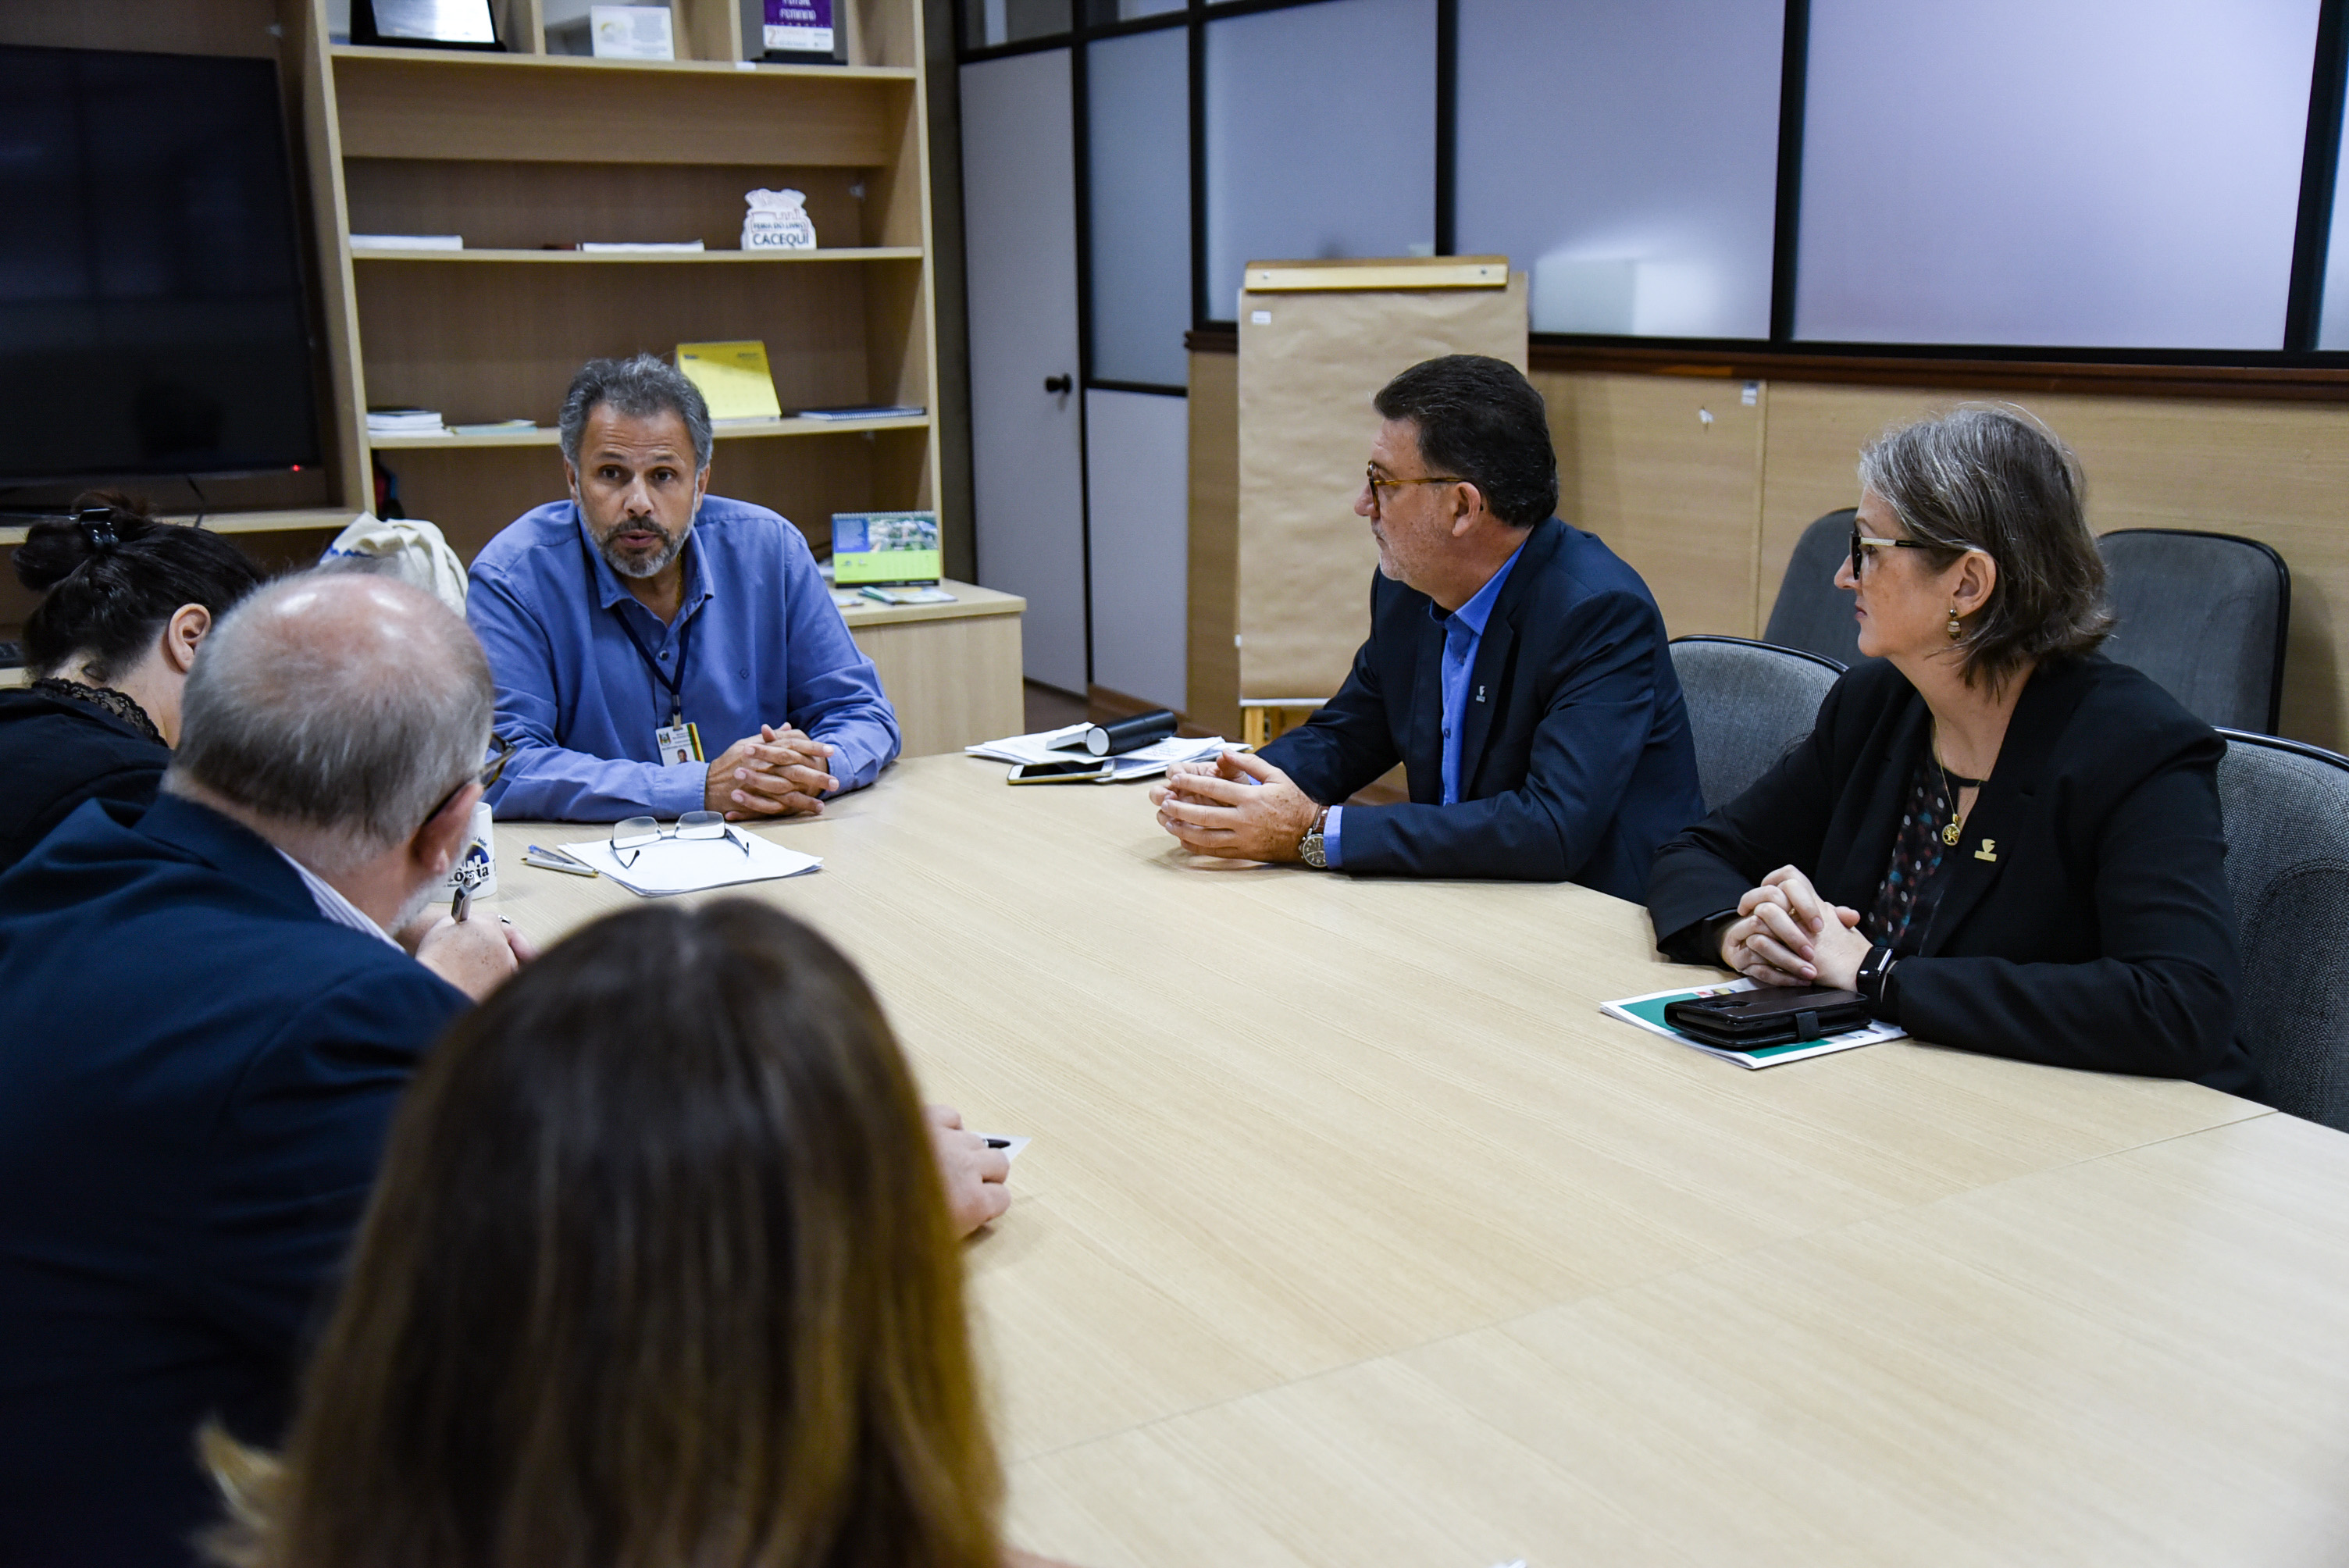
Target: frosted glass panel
1627 156
2092 173
1138 89
1102 13
2332 324
1321 137
985 23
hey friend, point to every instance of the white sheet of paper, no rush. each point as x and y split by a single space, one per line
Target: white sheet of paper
1017 1143
1043 747
689 865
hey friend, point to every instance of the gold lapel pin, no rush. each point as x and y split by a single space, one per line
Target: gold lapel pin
1985 853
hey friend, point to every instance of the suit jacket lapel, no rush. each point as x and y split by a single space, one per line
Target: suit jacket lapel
2008 795
1422 758
1858 848
1488 678
1485 692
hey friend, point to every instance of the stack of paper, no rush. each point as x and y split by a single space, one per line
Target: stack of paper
404 422
683 246
408 241
689 865
1647 1013
908 595
867 411
1068 746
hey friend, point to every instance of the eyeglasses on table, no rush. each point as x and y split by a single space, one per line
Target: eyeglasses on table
633 837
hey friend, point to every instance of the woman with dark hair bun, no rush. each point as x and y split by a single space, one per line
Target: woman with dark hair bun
126 599
645 1286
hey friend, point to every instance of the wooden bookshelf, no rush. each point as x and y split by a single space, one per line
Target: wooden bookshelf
524 150
661 258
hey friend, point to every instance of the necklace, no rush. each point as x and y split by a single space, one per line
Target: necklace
106 699
1949 794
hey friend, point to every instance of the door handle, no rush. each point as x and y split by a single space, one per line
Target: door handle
1059 384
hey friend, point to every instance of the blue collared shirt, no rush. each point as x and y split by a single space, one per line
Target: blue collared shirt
757 634
1464 632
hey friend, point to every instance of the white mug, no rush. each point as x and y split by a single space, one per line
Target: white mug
477 862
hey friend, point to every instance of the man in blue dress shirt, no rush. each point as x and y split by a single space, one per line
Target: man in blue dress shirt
626 624
1515 666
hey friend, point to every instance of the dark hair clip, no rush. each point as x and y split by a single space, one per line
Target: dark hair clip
97 527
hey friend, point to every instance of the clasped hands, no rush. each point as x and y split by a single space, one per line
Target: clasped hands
1236 806
1786 934
775 773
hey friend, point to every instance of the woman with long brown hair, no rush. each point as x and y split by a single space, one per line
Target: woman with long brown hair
658 1273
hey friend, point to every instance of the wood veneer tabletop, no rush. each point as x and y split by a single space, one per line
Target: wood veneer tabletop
1353 1231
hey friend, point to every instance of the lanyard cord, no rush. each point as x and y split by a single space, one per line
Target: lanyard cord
684 649
675 688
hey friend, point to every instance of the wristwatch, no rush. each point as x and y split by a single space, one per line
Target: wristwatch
1875 971
1310 848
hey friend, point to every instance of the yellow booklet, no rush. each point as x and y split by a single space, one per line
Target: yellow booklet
733 377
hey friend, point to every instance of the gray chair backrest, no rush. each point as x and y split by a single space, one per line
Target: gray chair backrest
2205 615
1812 614
1748 704
2287 814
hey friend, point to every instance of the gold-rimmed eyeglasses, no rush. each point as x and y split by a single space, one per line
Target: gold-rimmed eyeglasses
1374 482
501 752
633 837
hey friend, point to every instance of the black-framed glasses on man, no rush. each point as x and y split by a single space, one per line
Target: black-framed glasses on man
1376 482
1863 548
633 837
501 752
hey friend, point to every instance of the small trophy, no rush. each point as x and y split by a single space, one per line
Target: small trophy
777 220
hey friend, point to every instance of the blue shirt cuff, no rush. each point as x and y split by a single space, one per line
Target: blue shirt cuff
680 787
1330 839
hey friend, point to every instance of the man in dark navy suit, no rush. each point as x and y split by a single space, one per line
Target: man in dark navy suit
203 1027
1515 667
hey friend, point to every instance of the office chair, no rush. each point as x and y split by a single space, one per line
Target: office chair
1748 704
1812 614
2204 615
2287 812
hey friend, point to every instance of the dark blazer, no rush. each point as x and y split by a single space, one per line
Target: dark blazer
56 753
1575 757
2100 935
195 1072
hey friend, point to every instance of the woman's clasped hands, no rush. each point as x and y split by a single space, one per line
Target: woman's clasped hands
1786 934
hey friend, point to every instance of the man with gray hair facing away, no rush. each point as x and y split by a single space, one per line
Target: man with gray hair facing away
643 616
204 1025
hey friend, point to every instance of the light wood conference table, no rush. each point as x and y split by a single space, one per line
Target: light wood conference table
1353 1233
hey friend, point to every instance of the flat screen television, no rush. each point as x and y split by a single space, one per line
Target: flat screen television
153 313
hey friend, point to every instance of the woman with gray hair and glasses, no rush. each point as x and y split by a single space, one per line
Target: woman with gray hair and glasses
2001 839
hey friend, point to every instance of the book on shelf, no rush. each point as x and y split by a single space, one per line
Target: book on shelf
408 241
733 379
495 427
867 411
685 247
403 421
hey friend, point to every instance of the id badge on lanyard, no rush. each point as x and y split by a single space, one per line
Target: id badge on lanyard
675 741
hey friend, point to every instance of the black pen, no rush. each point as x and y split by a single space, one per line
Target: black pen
998 1143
